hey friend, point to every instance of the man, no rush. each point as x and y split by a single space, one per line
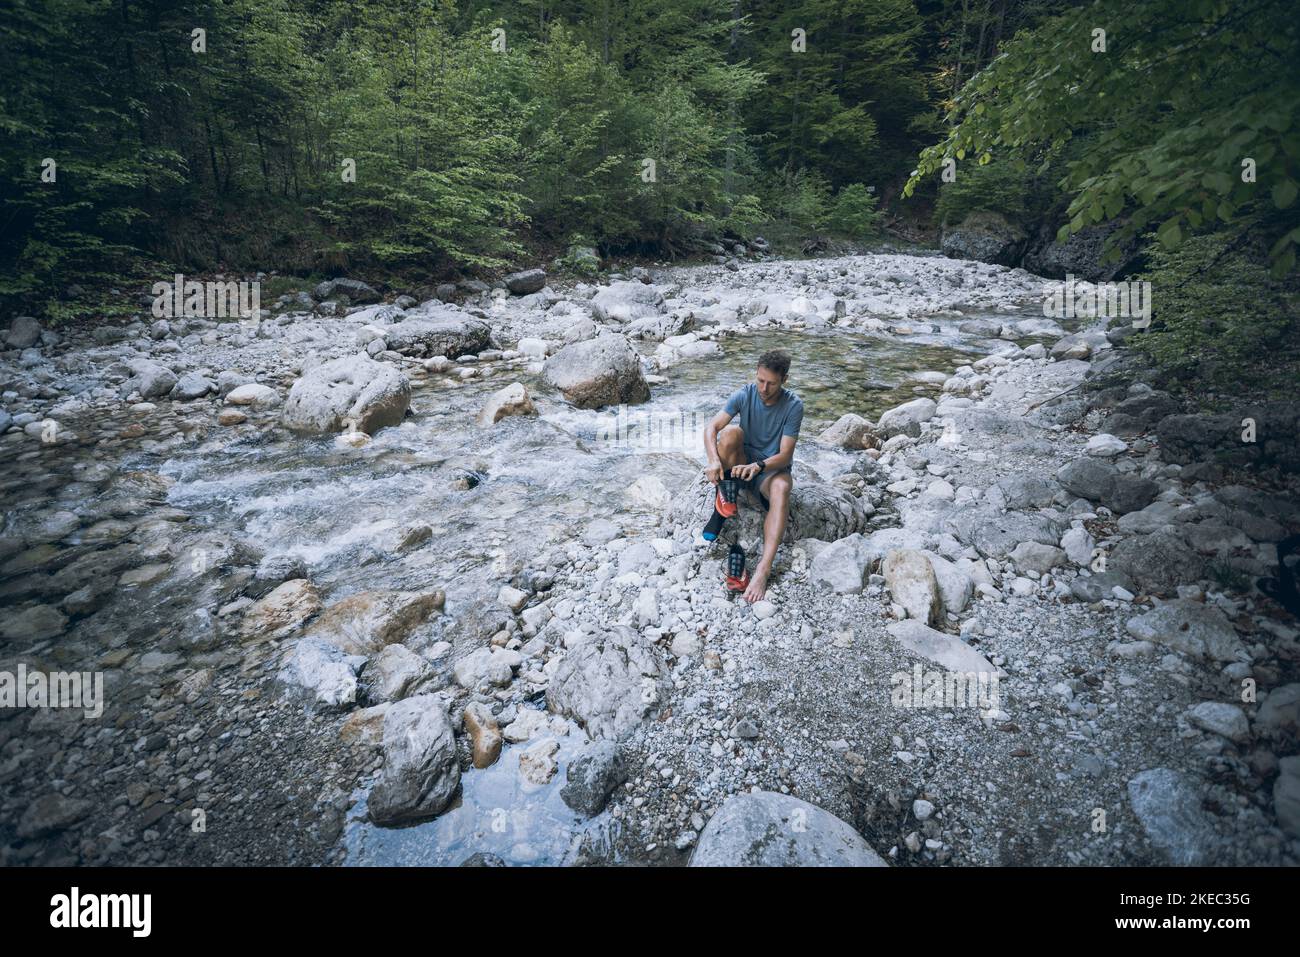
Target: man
755 453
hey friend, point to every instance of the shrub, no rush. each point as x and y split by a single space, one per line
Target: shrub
854 211
1217 318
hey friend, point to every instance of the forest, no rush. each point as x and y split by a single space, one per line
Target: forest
436 139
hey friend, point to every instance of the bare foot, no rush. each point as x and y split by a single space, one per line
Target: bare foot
757 585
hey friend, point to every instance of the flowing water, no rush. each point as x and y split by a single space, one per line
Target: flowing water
836 373
495 499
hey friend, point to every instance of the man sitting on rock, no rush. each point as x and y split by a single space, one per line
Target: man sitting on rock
755 454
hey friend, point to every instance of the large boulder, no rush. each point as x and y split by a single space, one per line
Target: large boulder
259 397
356 290
906 418
1168 805
326 674
1036 557
688 346
1189 438
996 535
661 325
817 510
485 666
624 301
947 651
512 400
363 623
851 431
592 776
597 372
525 282
420 769
1138 413
767 829
354 393
911 582
1025 491
148 378
842 565
1193 628
1225 438
985 236
24 332
394 673
192 386
281 612
1102 482
1087 478
1079 256
1157 563
438 332
608 683
955 584
1279 715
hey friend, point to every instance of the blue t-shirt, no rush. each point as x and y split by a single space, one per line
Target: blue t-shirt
764 425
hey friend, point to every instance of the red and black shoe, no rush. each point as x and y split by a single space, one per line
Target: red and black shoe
737 576
727 501
725 505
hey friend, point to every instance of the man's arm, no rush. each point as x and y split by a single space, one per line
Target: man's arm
779 461
719 422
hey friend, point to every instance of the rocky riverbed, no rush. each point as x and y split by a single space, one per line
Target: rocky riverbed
421 582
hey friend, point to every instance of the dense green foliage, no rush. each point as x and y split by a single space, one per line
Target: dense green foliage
478 133
1001 186
1186 130
1186 95
423 137
1219 321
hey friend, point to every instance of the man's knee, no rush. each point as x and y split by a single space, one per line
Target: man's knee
778 489
731 439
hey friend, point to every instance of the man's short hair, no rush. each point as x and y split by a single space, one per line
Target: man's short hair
775 360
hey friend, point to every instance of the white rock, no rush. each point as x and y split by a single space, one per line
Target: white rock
1105 446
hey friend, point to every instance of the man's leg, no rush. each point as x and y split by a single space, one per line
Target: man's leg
731 448
777 489
731 451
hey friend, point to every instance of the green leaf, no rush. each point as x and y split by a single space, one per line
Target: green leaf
1218 181
1170 234
1284 193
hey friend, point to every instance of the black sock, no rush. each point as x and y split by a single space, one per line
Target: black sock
715 525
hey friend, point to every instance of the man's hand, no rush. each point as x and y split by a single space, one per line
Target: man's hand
745 472
713 472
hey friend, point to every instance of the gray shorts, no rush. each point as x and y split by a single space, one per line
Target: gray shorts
753 484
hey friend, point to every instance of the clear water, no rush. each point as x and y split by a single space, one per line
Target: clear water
533 482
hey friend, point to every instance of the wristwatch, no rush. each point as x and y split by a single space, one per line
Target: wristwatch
762 466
